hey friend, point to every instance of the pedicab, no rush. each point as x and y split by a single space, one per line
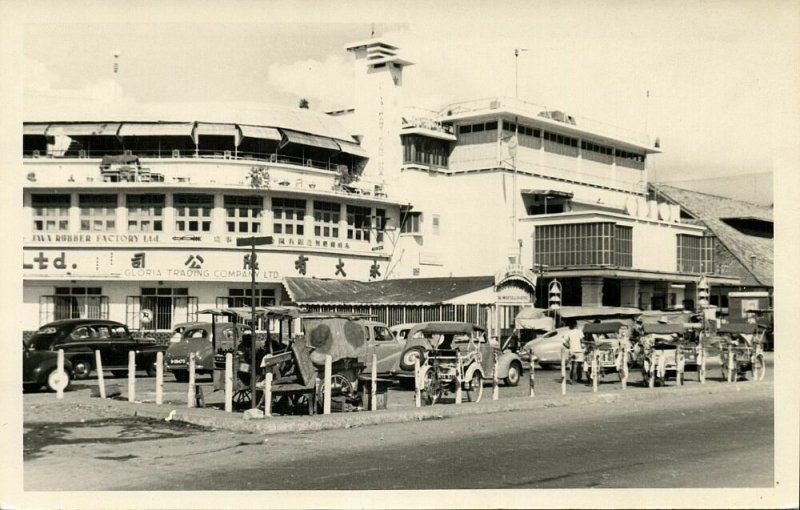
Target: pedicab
741 350
607 350
456 356
666 349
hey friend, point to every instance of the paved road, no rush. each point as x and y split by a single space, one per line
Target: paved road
717 440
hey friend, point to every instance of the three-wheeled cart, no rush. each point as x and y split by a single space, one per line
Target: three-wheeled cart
607 348
741 350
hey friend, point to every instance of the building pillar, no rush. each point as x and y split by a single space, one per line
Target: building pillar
219 216
591 291
74 213
169 214
690 293
629 293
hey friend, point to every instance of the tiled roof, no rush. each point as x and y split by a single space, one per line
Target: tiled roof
419 291
710 209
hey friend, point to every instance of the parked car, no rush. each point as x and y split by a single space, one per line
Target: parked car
40 368
80 338
197 339
428 335
385 345
401 331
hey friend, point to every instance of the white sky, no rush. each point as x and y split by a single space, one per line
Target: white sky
717 72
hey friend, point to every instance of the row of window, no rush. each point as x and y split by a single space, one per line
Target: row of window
584 244
170 305
145 213
425 151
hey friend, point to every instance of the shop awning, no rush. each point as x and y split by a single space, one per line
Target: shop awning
290 136
35 129
265 133
157 129
85 129
216 129
353 149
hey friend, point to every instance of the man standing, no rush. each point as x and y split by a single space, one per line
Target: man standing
573 344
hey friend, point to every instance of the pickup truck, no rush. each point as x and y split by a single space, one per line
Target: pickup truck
80 338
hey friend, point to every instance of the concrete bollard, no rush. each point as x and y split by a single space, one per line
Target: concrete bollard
651 370
495 385
624 369
60 370
101 383
563 372
417 384
531 380
681 362
159 378
459 382
594 370
229 382
701 365
131 376
191 397
326 406
373 391
268 394
730 364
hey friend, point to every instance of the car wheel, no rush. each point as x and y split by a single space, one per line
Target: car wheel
56 379
181 375
151 368
514 374
81 368
410 355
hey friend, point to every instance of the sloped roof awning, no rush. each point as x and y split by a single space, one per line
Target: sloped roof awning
311 140
157 129
216 129
264 133
35 129
352 149
85 129
547 193
409 291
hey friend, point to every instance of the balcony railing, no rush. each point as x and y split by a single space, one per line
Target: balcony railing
271 157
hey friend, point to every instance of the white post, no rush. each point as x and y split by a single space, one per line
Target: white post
131 376
326 407
229 382
624 368
662 368
701 364
563 372
101 383
651 370
679 369
159 378
268 394
532 391
417 383
191 399
60 369
594 370
495 387
373 391
458 382
730 364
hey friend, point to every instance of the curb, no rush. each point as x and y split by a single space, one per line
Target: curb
277 425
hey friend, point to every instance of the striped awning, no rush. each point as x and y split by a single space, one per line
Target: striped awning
265 133
85 129
353 149
311 140
35 129
157 129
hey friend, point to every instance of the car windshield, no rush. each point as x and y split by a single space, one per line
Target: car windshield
41 341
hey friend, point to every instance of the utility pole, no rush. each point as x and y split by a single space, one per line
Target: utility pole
253 241
514 158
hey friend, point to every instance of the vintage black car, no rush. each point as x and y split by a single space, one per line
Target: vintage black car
40 368
80 338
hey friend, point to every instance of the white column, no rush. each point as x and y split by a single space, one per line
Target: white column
169 214
121 213
629 293
591 291
74 214
218 216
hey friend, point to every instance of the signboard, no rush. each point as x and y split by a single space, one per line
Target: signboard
146 316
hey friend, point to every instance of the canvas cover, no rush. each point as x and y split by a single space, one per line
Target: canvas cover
338 336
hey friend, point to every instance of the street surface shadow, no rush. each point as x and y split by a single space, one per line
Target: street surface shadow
38 437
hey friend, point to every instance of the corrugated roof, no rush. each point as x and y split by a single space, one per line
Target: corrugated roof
419 291
710 209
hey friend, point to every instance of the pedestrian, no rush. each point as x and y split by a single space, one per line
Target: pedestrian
573 342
